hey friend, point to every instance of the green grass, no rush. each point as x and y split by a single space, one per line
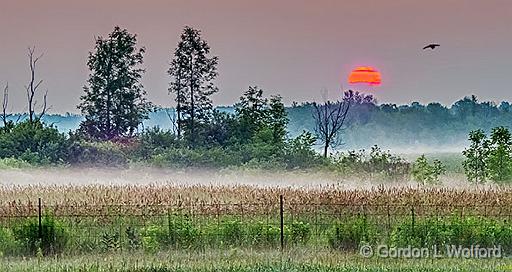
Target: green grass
236 260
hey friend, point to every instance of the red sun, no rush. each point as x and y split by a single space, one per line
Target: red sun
365 75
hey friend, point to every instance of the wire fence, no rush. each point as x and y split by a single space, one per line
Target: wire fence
58 228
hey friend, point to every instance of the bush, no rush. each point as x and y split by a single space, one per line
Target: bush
154 141
179 233
12 163
299 232
453 231
97 153
268 164
53 240
426 173
231 232
377 165
350 234
154 238
34 143
299 152
215 157
182 232
8 244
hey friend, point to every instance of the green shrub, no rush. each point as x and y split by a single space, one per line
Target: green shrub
34 143
426 173
97 153
110 241
350 234
133 238
231 232
12 163
499 155
265 164
376 164
154 141
154 238
453 231
386 165
263 234
299 232
183 157
54 236
182 232
299 152
8 244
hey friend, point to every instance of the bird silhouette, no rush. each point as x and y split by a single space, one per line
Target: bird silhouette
431 46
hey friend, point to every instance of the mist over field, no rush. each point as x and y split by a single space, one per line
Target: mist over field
147 176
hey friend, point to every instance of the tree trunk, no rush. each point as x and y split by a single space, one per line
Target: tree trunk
326 148
192 105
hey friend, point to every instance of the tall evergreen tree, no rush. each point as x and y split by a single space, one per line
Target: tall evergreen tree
114 103
192 74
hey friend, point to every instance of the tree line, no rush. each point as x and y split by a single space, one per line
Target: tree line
114 106
414 125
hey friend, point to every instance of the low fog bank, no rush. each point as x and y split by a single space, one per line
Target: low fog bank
155 176
193 177
413 150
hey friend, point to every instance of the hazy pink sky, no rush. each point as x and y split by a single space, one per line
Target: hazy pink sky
294 48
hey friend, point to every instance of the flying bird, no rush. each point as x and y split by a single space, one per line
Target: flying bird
431 46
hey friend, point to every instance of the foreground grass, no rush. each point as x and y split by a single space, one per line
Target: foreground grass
236 260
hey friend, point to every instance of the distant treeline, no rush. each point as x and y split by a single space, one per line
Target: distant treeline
431 126
411 126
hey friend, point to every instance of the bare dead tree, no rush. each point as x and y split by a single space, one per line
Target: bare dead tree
331 117
33 88
329 120
174 118
5 104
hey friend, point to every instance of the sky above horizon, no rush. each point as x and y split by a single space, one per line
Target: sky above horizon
293 48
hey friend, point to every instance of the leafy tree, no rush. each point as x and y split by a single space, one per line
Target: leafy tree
278 119
193 72
251 112
476 156
220 130
426 173
499 160
258 115
300 153
114 103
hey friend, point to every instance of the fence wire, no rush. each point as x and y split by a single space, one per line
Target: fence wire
256 225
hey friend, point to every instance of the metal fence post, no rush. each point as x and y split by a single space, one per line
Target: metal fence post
388 226
365 224
413 219
40 223
281 215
